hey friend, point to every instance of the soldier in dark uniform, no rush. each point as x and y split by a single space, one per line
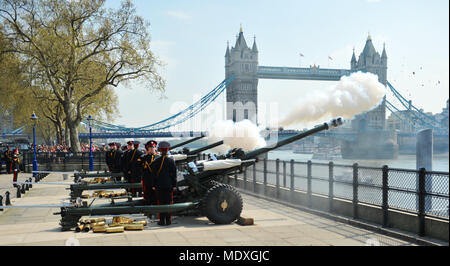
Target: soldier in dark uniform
109 156
8 158
118 159
147 174
125 159
165 180
134 162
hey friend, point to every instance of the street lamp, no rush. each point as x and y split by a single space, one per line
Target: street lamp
35 165
91 157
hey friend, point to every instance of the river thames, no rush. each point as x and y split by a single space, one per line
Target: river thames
440 161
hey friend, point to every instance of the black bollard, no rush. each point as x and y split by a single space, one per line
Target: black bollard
1 203
30 181
27 186
18 195
22 189
8 199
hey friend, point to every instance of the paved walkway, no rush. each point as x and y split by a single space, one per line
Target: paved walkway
275 225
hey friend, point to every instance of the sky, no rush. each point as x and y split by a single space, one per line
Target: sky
190 37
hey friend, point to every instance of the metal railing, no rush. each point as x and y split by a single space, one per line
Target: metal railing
64 161
419 192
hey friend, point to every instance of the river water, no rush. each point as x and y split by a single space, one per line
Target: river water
440 161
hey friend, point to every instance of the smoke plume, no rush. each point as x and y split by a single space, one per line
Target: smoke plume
354 94
243 134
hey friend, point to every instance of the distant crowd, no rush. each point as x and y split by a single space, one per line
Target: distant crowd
64 148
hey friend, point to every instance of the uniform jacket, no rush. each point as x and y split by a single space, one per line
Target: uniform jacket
147 173
165 173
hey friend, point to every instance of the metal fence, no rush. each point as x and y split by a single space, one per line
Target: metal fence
419 192
64 161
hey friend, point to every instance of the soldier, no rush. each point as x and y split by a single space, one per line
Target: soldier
118 159
125 159
147 174
165 180
8 158
109 156
134 162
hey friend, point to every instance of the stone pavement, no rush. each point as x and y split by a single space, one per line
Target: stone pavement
275 225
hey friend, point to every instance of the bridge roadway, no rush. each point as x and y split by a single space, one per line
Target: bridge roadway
275 225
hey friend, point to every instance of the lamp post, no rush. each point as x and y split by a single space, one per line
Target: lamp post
35 165
91 157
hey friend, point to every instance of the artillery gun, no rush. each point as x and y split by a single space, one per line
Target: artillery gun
77 189
199 190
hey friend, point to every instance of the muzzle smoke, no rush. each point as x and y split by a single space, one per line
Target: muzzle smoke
354 94
243 134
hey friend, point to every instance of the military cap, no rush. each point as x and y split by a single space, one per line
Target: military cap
151 143
136 142
111 144
118 144
164 145
130 142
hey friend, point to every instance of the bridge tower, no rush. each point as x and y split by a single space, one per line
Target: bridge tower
242 93
370 61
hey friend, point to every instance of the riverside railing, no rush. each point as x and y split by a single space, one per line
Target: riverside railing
418 192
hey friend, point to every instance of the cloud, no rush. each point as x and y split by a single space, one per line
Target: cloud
373 1
178 14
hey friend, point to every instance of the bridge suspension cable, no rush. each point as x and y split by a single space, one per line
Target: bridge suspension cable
173 120
417 113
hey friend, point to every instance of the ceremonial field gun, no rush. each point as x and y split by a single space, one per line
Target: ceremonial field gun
199 190
77 189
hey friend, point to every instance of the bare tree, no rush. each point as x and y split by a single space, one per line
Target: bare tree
81 49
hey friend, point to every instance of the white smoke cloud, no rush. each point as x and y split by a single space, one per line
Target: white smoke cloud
243 134
354 94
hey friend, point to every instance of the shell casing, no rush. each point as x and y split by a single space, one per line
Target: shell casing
87 228
134 227
116 229
99 229
121 220
79 228
102 223
144 223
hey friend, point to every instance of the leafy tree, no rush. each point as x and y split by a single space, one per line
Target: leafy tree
78 51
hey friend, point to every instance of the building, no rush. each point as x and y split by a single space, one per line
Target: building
374 119
443 116
242 96
370 61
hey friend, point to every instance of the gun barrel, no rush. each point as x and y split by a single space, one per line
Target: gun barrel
210 146
186 142
332 124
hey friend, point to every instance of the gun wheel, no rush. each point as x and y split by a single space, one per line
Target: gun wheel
222 204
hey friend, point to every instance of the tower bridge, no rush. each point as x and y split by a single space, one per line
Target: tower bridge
241 62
